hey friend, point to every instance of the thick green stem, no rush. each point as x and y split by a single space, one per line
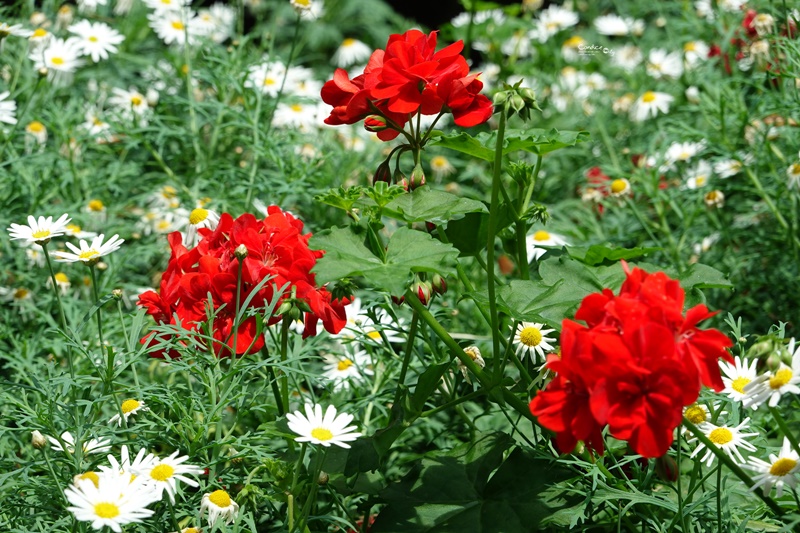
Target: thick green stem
732 466
412 333
494 211
284 358
295 477
785 429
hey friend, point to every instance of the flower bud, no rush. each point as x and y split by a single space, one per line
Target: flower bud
667 468
323 478
398 300
400 179
423 290
240 252
500 98
506 264
439 284
117 294
383 173
417 178
517 103
38 440
375 123
42 72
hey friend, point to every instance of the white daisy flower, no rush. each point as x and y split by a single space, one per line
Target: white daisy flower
89 446
697 413
627 57
441 167
728 439
571 49
74 230
694 52
308 9
87 253
60 58
302 117
531 339
300 82
536 243
39 231
764 23
700 248
90 6
475 354
552 20
164 474
38 39
616 26
129 105
326 430
779 471
129 407
692 94
351 52
36 132
16 30
175 26
219 505
649 105
97 39
142 463
217 22
662 64
8 109
62 282
714 199
266 77
35 255
699 176
793 175
344 369
727 168
167 5
682 152
199 218
770 387
113 502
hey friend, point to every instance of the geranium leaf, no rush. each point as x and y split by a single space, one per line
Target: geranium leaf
409 251
537 141
429 205
602 255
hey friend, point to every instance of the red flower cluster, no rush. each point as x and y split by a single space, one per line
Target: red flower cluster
634 366
406 78
276 249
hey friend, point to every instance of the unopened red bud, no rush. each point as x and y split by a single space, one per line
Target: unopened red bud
375 123
398 300
383 173
417 178
423 290
439 284
505 264
667 468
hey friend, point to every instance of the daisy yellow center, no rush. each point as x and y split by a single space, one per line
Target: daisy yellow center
177 25
136 100
782 466
73 228
162 472
36 127
297 108
41 234
712 196
97 122
304 3
169 192
348 42
552 25
106 510
129 405
92 476
689 47
695 414
541 235
166 2
780 378
197 216
720 436
62 278
96 205
88 254
220 498
573 42
439 162
374 335
191 530
39 32
92 39
164 225
321 434
739 384
700 180
20 294
618 186
796 168
269 81
57 61
648 97
344 364
530 336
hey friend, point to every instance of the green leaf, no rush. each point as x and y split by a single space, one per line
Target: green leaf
409 251
429 205
602 255
457 492
470 234
700 276
426 385
537 141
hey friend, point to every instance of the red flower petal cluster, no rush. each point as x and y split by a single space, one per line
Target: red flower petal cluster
409 76
633 367
276 249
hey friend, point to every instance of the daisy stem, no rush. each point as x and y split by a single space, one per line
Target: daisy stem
494 209
719 497
254 165
53 474
61 314
312 497
110 367
732 466
680 487
785 428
